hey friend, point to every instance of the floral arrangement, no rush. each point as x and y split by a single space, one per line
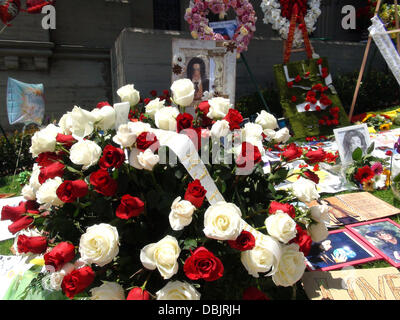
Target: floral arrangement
367 172
378 122
278 14
113 216
387 14
196 17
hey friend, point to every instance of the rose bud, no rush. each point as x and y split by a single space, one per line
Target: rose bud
20 224
77 281
138 294
35 245
195 193
61 254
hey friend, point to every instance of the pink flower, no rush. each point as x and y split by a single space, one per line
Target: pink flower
377 168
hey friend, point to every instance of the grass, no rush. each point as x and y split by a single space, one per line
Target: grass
9 184
5 247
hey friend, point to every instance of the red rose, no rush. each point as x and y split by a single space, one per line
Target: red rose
250 155
103 183
20 224
312 176
364 174
297 79
129 207
146 101
204 107
317 87
138 294
294 99
45 159
32 207
389 153
303 240
69 190
318 108
290 84
147 140
335 122
307 107
13 213
234 118
153 93
103 104
325 100
77 281
253 293
285 207
203 264
321 122
27 244
315 156
319 61
61 254
112 157
195 193
166 93
56 169
66 140
184 121
245 241
292 152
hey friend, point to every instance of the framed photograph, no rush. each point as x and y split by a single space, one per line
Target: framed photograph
340 249
350 138
211 65
382 235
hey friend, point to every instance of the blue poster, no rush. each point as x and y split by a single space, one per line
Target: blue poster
25 102
226 28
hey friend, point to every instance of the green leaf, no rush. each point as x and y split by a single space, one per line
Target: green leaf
190 244
357 154
371 148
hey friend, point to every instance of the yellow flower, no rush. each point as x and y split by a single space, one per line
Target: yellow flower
367 117
385 126
386 172
368 185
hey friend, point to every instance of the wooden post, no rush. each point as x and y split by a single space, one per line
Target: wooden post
396 17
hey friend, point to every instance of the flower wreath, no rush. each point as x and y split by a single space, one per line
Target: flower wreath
196 16
278 14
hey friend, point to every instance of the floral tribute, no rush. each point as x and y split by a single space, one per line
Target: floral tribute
278 14
367 172
379 122
196 17
114 217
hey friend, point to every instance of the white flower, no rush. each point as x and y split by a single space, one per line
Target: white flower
129 94
86 153
78 122
104 117
305 190
281 226
34 179
220 129
270 134
222 221
318 231
291 266
183 92
162 255
181 214
380 181
28 192
139 127
264 257
57 277
282 135
219 108
124 137
147 159
267 120
99 244
47 195
153 106
165 118
44 140
178 290
108 291
320 213
252 132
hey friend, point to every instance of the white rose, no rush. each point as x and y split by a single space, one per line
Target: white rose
320 213
34 179
44 140
220 129
270 134
305 190
148 159
178 290
99 244
222 221
291 266
108 291
78 122
124 137
181 214
133 159
264 257
282 135
162 255
57 277
47 195
165 118
281 226
183 92
139 127
219 108
318 231
153 106
267 120
86 153
104 117
252 132
129 94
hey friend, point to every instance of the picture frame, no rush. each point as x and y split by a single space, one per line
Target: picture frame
340 249
376 234
211 65
349 138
